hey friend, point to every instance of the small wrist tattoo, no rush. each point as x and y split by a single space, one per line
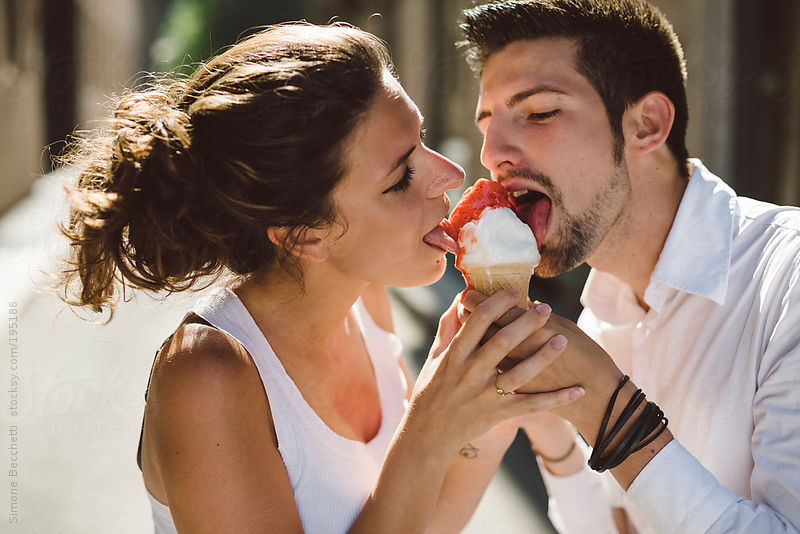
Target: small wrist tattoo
469 451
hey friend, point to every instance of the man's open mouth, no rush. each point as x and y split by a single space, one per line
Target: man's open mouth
533 208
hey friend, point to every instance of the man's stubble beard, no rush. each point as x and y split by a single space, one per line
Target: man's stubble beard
580 235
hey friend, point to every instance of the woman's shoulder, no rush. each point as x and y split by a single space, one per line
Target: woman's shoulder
197 349
203 382
202 366
208 419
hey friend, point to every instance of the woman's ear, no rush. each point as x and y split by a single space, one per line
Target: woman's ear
648 121
305 243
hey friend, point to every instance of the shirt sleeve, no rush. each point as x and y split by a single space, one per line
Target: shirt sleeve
678 495
578 503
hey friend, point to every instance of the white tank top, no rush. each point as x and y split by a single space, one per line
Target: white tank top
331 476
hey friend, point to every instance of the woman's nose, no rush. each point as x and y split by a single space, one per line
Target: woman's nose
448 175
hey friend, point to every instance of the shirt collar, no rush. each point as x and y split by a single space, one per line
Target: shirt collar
696 257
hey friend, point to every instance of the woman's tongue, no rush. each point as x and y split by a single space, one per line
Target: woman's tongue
535 214
441 237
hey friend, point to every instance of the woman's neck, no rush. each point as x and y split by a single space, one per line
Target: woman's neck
314 310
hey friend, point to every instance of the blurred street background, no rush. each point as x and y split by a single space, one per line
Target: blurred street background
72 392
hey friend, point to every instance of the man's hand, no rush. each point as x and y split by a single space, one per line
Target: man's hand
583 363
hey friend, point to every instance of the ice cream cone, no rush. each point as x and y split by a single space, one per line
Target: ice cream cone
489 279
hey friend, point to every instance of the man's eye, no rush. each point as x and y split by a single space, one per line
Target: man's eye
403 183
543 116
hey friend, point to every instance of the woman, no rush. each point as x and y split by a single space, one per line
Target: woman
294 161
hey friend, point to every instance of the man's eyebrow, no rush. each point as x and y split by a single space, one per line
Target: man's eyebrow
522 95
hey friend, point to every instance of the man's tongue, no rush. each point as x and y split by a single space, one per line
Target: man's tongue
439 237
535 215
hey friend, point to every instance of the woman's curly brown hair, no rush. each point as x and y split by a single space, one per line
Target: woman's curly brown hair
187 176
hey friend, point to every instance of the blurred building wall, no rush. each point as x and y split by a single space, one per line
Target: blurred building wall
790 186
109 53
60 60
21 85
705 30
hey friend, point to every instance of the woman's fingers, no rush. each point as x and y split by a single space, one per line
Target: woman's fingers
507 338
487 312
449 325
529 368
526 403
471 299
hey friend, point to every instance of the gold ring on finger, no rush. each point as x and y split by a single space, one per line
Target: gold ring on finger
500 391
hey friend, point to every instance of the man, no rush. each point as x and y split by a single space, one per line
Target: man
694 292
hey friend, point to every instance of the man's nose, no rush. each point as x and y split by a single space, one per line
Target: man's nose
448 175
498 149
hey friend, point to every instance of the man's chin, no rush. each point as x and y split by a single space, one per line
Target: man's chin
544 271
552 265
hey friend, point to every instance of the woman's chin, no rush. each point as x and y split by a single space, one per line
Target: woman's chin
422 276
434 274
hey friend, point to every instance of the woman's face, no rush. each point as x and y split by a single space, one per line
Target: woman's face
392 197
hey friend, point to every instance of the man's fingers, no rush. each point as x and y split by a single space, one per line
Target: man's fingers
529 368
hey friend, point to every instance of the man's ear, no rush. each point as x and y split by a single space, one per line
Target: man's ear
305 243
648 121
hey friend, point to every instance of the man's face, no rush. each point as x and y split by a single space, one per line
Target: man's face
546 137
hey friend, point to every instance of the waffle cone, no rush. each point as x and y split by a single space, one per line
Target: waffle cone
493 278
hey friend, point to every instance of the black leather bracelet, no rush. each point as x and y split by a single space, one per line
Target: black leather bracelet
598 462
623 418
641 428
651 422
598 442
662 423
633 434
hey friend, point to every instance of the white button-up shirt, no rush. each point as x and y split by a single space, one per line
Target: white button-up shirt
719 352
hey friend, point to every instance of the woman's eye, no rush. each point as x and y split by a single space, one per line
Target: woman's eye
403 183
544 115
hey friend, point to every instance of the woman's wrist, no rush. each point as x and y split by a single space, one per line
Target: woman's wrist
557 459
557 445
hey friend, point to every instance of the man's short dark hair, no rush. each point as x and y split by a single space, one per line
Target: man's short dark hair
625 48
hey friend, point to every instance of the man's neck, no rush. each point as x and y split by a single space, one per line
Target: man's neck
632 248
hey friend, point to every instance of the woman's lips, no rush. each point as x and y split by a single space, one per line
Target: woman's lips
440 238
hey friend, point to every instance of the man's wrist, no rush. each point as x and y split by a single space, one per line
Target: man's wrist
627 435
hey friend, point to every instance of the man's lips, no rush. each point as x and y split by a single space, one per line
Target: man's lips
440 238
